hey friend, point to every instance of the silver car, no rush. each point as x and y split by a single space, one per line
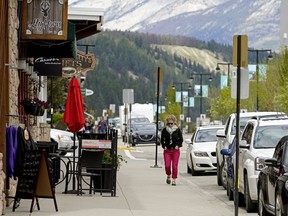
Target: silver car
64 139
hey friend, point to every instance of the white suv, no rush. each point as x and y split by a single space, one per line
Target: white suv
65 140
258 141
225 138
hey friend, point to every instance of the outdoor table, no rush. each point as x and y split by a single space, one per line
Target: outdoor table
69 173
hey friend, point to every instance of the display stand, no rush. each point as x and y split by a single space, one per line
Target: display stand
36 180
105 142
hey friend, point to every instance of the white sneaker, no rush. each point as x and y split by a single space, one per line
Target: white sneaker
174 182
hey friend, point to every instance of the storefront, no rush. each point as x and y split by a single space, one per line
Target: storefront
20 43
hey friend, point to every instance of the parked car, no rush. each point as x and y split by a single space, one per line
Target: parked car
142 133
273 182
200 152
117 127
64 139
229 153
257 142
226 136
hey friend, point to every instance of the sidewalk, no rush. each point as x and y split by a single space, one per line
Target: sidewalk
141 190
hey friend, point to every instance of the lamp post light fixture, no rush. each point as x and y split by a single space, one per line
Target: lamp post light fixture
257 51
181 89
228 75
201 79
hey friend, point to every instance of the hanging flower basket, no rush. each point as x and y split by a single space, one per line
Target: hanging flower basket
30 109
40 111
34 106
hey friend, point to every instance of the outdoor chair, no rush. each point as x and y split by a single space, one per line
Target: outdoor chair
90 165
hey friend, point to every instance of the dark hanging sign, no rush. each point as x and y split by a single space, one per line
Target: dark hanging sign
48 66
45 19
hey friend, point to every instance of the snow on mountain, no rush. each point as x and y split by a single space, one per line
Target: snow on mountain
207 20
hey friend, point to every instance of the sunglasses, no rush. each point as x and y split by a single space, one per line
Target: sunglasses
169 123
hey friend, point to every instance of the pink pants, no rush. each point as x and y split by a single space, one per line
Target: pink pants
171 156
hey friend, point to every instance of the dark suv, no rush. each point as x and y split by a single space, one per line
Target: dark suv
273 182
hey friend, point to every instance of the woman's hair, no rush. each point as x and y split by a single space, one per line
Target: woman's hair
171 118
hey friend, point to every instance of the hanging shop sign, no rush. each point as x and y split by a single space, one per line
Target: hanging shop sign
79 66
45 19
48 66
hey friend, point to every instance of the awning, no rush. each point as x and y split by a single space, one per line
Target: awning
88 21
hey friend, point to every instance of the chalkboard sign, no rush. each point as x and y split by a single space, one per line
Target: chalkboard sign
27 180
35 180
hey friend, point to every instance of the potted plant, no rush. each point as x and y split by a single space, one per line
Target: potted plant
34 106
107 159
107 163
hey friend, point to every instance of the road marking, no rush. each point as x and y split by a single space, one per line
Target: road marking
125 148
128 154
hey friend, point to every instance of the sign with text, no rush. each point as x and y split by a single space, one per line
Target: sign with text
45 19
96 144
48 66
128 96
79 66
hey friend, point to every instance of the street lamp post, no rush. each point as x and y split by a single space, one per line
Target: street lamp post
201 75
181 89
257 51
228 75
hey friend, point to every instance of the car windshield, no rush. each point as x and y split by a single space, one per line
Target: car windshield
138 120
269 136
242 122
144 127
207 135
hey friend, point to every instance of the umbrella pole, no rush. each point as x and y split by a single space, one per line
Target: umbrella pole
73 191
73 164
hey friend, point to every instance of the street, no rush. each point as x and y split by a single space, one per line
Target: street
206 184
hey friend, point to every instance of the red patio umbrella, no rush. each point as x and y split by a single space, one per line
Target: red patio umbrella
74 109
74 115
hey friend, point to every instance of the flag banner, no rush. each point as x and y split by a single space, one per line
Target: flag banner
223 81
178 96
204 90
185 96
189 102
197 89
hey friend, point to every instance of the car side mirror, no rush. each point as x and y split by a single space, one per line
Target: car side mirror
221 133
271 162
188 141
225 151
244 144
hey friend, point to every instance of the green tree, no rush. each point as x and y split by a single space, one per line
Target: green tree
171 106
276 85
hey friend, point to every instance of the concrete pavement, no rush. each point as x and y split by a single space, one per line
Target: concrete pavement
141 190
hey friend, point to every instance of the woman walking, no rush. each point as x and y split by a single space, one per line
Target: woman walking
171 141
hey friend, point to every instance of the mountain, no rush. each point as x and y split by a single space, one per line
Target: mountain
127 60
206 20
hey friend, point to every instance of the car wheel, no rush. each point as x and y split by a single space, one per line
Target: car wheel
240 199
219 182
261 209
193 171
278 204
229 190
188 169
223 175
250 207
